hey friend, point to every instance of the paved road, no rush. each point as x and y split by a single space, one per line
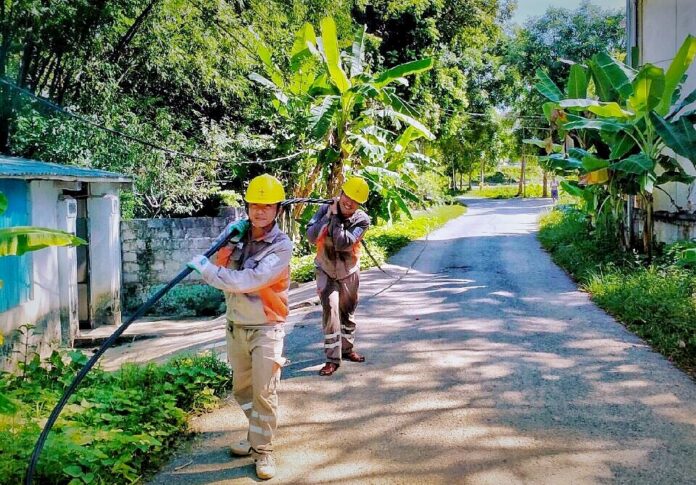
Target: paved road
485 365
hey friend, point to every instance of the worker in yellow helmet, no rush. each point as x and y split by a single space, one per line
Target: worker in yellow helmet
337 230
254 275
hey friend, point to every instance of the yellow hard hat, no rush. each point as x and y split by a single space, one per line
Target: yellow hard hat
265 189
356 188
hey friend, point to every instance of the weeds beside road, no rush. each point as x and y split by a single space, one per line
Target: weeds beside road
655 301
117 427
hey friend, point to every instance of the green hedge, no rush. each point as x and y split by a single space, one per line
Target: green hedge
117 427
384 241
193 300
655 301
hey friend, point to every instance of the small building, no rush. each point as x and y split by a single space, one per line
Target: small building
656 30
60 290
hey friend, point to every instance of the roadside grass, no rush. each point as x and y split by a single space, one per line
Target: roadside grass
117 428
384 241
656 301
506 191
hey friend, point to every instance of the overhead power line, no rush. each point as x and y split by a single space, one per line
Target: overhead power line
171 151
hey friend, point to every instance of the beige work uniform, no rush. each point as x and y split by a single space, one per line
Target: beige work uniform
255 277
338 276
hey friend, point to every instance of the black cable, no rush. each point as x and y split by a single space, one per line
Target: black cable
104 347
112 339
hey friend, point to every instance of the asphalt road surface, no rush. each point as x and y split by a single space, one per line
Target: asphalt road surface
485 365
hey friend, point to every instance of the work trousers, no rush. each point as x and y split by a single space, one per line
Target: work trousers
339 298
256 359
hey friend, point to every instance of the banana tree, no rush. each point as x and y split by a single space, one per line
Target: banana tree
632 130
349 118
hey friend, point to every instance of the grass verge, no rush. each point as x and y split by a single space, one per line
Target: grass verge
654 301
384 241
117 428
505 191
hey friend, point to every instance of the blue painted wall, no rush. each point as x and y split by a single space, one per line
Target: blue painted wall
15 271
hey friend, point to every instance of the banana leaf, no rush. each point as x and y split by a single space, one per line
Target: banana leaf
547 87
402 70
15 241
329 41
678 135
675 73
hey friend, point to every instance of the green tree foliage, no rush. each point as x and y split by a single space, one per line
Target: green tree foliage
176 74
559 38
171 72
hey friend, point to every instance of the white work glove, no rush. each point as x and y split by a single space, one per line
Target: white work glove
198 263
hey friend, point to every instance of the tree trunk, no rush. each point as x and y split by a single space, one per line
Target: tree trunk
482 180
336 178
4 119
544 189
521 185
5 108
648 227
128 36
470 176
630 210
304 191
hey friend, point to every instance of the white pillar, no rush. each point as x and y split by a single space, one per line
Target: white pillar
67 272
103 210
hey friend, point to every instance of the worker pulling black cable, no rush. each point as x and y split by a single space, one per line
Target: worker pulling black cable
289 202
235 232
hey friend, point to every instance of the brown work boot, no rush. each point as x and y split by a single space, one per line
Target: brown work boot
328 369
353 356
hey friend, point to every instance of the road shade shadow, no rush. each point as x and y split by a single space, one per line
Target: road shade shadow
485 365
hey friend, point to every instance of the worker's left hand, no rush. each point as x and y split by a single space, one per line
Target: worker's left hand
198 263
333 208
235 231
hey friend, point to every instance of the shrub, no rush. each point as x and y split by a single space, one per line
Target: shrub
117 427
184 301
129 205
302 268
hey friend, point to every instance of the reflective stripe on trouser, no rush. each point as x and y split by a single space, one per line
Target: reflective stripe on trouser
339 298
256 360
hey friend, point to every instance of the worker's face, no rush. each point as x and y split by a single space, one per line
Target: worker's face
262 215
348 205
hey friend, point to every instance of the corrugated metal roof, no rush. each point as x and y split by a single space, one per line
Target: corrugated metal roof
22 168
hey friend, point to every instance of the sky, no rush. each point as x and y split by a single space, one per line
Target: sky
533 8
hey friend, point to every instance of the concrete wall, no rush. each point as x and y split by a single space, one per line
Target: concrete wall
662 27
156 250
